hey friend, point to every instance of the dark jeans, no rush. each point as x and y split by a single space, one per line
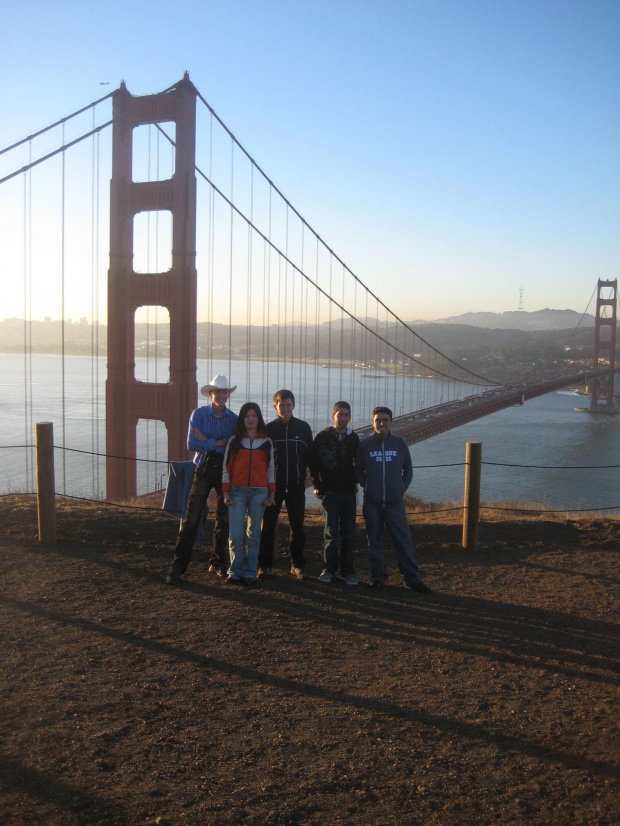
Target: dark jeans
393 516
206 478
295 501
339 510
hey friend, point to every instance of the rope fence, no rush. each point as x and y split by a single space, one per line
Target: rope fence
464 507
415 467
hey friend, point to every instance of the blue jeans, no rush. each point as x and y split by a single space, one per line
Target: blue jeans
339 509
392 515
250 501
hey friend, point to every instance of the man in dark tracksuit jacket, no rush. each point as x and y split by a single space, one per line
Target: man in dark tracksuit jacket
292 439
332 468
385 472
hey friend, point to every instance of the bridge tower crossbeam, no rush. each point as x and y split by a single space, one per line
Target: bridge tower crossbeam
602 389
127 399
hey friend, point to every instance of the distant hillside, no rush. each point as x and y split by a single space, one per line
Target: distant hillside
502 354
520 320
537 321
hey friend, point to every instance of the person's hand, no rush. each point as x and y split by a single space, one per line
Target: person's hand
271 500
228 501
316 493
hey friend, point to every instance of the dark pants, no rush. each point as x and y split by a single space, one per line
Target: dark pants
339 510
393 516
207 477
295 501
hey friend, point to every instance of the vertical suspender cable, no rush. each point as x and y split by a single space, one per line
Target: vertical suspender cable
248 334
302 384
30 364
93 416
230 276
329 329
266 307
278 350
156 311
27 339
403 372
317 329
210 257
140 466
267 350
366 345
342 338
285 351
353 347
62 277
98 488
378 344
156 354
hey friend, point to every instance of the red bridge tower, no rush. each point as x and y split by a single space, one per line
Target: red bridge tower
127 399
602 389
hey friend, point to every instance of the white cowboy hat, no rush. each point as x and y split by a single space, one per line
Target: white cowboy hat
218 382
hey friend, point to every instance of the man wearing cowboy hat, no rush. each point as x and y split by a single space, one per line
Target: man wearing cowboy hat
210 428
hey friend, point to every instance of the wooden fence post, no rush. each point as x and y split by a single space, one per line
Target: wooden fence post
471 499
46 492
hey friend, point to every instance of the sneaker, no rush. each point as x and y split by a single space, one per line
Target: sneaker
174 576
264 572
234 580
326 576
375 583
214 569
420 587
298 572
350 579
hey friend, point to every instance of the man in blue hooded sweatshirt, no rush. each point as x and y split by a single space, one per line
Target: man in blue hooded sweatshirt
384 471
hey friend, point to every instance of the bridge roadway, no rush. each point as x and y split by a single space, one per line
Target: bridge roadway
431 421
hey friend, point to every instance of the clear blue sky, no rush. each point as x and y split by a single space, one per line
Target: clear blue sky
451 152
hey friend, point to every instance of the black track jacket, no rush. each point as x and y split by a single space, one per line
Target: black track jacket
292 443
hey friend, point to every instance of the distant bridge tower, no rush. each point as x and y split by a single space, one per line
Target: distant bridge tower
128 400
602 389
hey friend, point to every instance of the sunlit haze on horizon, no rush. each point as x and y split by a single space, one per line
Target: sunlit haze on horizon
456 156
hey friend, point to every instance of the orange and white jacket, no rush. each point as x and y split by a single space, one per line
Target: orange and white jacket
252 466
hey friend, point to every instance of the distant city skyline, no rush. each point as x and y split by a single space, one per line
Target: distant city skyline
451 153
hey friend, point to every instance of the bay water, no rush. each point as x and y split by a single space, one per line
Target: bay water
572 459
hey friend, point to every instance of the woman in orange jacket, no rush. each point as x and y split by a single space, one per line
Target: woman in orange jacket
248 484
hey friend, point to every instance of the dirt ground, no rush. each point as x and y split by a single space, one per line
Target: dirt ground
493 699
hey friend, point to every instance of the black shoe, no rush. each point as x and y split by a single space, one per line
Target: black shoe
376 583
420 587
298 572
174 576
263 573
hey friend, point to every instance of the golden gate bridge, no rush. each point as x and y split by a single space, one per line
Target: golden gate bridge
194 226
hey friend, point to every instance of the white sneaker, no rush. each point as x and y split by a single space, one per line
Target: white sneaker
326 576
350 579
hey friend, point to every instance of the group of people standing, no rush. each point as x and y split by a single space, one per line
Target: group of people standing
255 468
